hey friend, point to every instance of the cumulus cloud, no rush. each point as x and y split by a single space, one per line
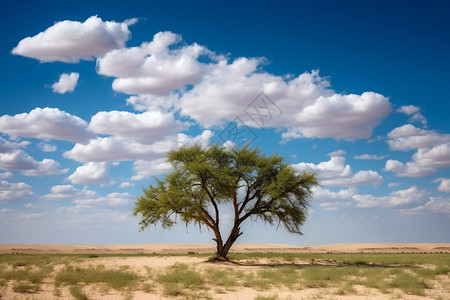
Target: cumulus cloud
20 160
48 147
145 169
444 185
66 83
424 162
211 90
92 173
438 156
126 184
14 191
47 124
401 199
70 41
154 68
115 148
45 167
435 205
304 105
409 137
86 198
336 173
415 114
5 175
409 169
147 127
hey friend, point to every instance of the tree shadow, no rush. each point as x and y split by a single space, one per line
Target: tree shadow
317 263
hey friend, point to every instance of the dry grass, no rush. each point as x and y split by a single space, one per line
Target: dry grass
412 274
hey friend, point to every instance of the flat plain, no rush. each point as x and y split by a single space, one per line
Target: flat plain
257 271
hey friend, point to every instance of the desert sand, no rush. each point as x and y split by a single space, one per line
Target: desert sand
139 265
210 248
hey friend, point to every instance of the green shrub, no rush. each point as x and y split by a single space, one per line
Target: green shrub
26 288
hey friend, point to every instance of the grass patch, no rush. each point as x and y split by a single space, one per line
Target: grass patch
437 259
25 288
77 292
222 277
409 283
115 279
26 274
179 277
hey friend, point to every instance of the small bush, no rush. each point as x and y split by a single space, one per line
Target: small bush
179 277
115 279
77 292
410 284
26 288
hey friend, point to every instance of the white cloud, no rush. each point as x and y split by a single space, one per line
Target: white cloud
334 200
126 184
438 156
66 83
118 149
336 173
5 175
393 185
48 147
337 153
220 91
147 127
20 160
92 173
329 200
70 41
112 199
14 191
409 169
408 109
409 137
85 198
436 205
444 185
154 68
47 124
61 192
369 157
6 146
409 197
45 167
121 149
424 162
414 112
17 160
145 169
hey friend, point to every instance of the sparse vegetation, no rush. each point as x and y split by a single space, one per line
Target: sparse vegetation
116 279
77 292
339 274
25 288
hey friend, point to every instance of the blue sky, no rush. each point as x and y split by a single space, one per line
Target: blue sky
93 94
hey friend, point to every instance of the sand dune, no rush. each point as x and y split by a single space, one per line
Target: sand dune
210 248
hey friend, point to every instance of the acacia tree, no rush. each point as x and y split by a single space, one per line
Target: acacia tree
204 179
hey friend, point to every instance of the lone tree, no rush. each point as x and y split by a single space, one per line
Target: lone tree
203 180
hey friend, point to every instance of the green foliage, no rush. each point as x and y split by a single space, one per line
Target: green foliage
115 279
77 292
25 288
179 277
202 179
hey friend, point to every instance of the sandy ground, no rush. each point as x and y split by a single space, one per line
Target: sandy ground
139 265
210 248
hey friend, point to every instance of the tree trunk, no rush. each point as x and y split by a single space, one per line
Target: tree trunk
222 255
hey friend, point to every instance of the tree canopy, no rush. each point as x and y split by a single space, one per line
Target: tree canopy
203 179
